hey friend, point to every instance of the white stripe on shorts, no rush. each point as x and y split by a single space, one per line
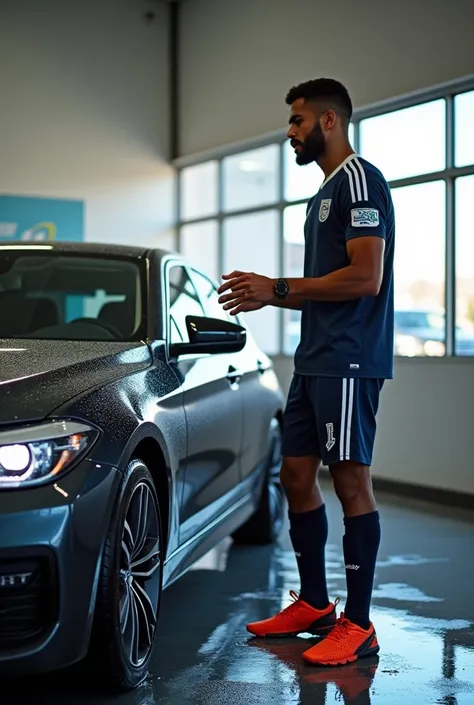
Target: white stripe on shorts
347 404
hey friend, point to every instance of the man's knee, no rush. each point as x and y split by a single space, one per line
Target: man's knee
298 475
352 483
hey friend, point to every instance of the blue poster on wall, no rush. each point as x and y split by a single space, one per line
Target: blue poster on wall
38 219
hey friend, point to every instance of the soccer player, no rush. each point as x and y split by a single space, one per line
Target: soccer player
344 356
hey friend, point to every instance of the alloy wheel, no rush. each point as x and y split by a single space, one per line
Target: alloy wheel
140 574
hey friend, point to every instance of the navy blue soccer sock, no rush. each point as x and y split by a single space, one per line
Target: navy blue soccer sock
309 533
361 543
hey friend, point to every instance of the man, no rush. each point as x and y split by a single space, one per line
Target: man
344 356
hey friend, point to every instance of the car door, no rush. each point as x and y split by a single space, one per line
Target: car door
213 414
256 384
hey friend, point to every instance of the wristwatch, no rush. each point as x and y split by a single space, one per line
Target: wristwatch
281 288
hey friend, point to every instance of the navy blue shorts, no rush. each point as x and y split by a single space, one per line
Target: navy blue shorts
332 418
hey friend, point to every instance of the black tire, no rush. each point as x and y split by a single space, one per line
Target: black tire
264 526
128 602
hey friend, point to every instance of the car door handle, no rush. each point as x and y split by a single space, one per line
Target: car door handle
233 375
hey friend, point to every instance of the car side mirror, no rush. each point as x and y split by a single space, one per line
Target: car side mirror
210 336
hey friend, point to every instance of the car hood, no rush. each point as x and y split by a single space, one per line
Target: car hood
36 376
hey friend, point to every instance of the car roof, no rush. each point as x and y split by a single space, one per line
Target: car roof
93 248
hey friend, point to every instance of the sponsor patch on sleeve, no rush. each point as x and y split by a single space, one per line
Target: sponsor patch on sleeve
364 217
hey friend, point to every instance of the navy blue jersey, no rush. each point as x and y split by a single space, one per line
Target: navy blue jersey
348 338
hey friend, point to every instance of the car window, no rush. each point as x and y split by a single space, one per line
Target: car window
183 301
209 296
69 296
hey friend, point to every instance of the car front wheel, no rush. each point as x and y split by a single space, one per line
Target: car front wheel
130 583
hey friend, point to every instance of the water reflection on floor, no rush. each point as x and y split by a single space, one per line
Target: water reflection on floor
422 609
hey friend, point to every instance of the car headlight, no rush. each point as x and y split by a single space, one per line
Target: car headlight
37 454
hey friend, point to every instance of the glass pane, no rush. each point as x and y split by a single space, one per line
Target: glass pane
199 244
419 269
209 297
184 302
464 266
463 123
293 234
251 245
406 142
300 181
251 178
198 196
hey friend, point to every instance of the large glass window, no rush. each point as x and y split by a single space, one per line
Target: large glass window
199 244
464 339
464 125
250 179
198 190
406 142
251 244
419 269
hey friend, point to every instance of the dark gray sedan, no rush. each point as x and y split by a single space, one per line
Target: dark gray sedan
139 425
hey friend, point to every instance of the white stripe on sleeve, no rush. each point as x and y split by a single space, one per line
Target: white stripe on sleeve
365 190
356 180
351 183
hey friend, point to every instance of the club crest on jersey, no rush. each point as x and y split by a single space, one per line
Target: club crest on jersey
364 217
324 209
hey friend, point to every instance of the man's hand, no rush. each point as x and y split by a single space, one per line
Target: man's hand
248 292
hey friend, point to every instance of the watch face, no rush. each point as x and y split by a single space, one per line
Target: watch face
281 287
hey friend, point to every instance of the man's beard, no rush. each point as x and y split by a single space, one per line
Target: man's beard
313 147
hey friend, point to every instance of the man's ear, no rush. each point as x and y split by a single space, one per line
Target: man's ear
329 119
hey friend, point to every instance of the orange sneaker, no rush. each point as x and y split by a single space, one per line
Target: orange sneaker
296 618
345 643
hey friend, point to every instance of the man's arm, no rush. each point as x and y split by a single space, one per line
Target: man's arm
362 277
292 302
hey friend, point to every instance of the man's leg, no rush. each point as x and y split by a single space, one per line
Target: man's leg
308 526
361 540
350 407
312 611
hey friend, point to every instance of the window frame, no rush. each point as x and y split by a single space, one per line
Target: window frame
447 91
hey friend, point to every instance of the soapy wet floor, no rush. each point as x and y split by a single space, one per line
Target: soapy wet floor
423 611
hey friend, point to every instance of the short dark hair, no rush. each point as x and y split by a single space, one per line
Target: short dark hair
324 89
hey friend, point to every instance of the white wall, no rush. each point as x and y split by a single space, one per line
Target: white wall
240 57
425 422
84 112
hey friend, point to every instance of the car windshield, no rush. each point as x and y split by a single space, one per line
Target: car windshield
419 319
62 296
